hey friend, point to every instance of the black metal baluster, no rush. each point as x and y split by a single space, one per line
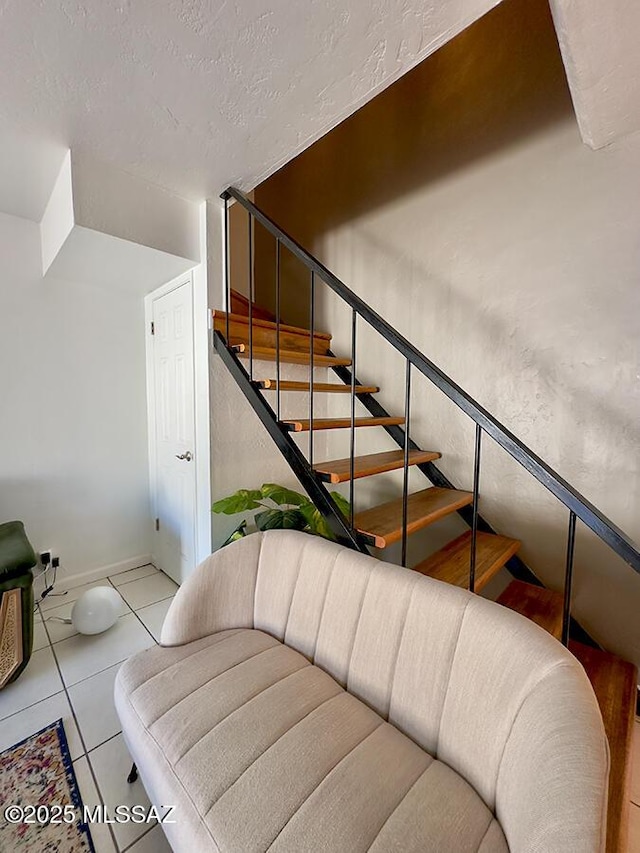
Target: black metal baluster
312 285
278 328
227 263
405 481
568 578
352 435
474 523
251 297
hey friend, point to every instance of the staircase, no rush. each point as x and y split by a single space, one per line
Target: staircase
250 337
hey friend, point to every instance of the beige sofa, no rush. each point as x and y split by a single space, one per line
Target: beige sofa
309 698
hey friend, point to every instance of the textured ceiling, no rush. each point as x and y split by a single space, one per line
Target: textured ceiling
194 95
599 43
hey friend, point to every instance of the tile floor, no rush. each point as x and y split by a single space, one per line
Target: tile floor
71 676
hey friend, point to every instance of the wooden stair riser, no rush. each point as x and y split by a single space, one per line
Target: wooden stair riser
339 470
451 564
240 306
615 683
382 525
540 605
265 334
337 423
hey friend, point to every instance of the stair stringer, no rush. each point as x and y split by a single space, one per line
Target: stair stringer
290 450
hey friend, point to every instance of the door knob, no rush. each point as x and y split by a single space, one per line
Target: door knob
188 456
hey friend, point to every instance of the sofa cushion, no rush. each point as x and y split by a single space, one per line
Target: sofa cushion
259 749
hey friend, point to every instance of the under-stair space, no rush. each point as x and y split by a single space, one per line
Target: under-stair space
250 344
615 683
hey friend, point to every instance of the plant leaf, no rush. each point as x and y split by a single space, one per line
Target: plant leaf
282 496
343 504
278 519
316 521
239 533
241 501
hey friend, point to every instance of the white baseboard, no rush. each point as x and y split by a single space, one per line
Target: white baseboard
80 578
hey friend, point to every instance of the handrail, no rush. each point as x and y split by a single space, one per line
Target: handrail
550 479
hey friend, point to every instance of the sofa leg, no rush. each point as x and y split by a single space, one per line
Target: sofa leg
133 774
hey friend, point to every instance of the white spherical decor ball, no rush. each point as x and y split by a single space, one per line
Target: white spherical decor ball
96 610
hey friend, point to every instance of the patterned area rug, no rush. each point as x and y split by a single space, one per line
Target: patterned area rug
38 772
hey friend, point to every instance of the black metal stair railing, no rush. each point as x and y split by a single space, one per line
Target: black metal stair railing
579 507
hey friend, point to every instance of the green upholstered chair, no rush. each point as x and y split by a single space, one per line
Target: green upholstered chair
17 558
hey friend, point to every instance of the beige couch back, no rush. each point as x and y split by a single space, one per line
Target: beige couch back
474 684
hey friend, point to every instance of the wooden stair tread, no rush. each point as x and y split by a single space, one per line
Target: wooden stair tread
615 684
542 606
220 320
264 333
289 356
338 423
339 470
451 563
383 524
328 387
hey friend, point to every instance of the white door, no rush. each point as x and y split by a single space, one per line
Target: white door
173 363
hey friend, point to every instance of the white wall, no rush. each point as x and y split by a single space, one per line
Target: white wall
464 208
106 226
111 201
600 49
243 456
28 170
73 444
57 221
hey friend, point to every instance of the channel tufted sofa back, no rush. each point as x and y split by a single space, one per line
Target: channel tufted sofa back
477 686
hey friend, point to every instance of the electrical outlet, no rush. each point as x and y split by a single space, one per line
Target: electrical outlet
55 562
45 557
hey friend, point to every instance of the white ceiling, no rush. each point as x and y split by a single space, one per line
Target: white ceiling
195 95
599 43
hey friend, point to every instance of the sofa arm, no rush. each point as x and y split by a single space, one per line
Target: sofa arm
218 595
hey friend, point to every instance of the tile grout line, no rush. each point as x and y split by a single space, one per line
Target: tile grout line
135 580
65 690
106 578
82 740
33 704
102 578
156 642
51 645
106 740
139 838
135 613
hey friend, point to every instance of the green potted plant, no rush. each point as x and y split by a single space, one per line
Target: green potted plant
280 508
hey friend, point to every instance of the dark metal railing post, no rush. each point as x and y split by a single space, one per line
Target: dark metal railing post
568 578
474 524
405 480
352 431
227 263
312 287
251 297
278 328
